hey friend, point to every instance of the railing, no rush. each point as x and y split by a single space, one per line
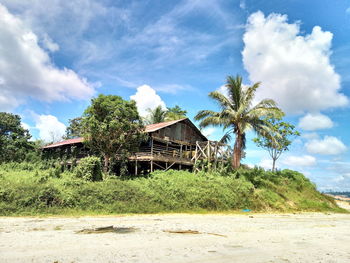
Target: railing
161 150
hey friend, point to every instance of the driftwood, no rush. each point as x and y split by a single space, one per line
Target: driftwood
107 229
194 232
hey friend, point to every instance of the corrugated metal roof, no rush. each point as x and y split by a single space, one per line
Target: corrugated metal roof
70 141
148 128
161 125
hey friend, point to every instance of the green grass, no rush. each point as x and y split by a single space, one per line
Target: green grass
34 189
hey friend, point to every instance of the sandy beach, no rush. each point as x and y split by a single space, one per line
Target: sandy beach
315 237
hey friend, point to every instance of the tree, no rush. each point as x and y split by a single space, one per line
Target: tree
278 139
175 113
156 115
14 139
237 114
74 129
112 127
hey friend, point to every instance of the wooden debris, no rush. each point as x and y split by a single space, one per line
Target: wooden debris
107 229
193 232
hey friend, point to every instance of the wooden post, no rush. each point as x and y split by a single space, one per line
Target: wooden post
136 167
151 155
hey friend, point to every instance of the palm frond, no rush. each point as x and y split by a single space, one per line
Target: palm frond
250 94
234 87
221 99
205 113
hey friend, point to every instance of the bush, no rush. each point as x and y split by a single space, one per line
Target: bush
89 168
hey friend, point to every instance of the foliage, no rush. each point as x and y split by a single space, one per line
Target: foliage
237 114
156 115
14 139
175 113
74 129
27 189
159 114
278 139
112 127
89 168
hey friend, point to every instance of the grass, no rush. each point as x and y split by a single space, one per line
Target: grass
33 189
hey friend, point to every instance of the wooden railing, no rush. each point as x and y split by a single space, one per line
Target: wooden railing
165 151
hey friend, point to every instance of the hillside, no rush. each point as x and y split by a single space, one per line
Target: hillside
26 189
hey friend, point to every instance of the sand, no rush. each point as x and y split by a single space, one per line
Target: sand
315 237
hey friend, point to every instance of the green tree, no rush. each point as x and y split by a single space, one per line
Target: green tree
175 113
112 127
74 129
14 139
237 115
278 139
156 115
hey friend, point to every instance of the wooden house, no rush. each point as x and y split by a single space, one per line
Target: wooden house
175 144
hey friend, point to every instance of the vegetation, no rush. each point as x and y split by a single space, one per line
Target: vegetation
159 114
14 139
89 168
156 115
33 188
112 127
175 113
237 114
74 129
278 139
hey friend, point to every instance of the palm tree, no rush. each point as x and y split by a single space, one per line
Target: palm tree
175 113
156 115
237 114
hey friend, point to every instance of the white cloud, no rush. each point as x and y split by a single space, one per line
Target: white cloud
295 70
49 44
50 128
310 135
329 145
295 161
26 69
208 132
312 122
147 98
25 126
242 4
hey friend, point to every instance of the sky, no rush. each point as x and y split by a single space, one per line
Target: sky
57 55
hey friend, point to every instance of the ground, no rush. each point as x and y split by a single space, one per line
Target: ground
311 237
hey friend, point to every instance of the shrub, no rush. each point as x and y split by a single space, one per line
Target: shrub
89 168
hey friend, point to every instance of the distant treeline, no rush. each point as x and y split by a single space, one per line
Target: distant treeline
347 194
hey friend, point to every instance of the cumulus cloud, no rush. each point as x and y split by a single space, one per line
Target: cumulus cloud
209 131
147 98
27 71
295 70
25 126
310 135
312 122
49 44
50 128
329 145
295 161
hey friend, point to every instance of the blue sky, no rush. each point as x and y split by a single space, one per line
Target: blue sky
54 57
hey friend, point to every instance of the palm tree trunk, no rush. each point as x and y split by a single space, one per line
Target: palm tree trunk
237 151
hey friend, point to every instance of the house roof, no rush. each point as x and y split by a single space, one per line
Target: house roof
157 126
66 142
148 128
